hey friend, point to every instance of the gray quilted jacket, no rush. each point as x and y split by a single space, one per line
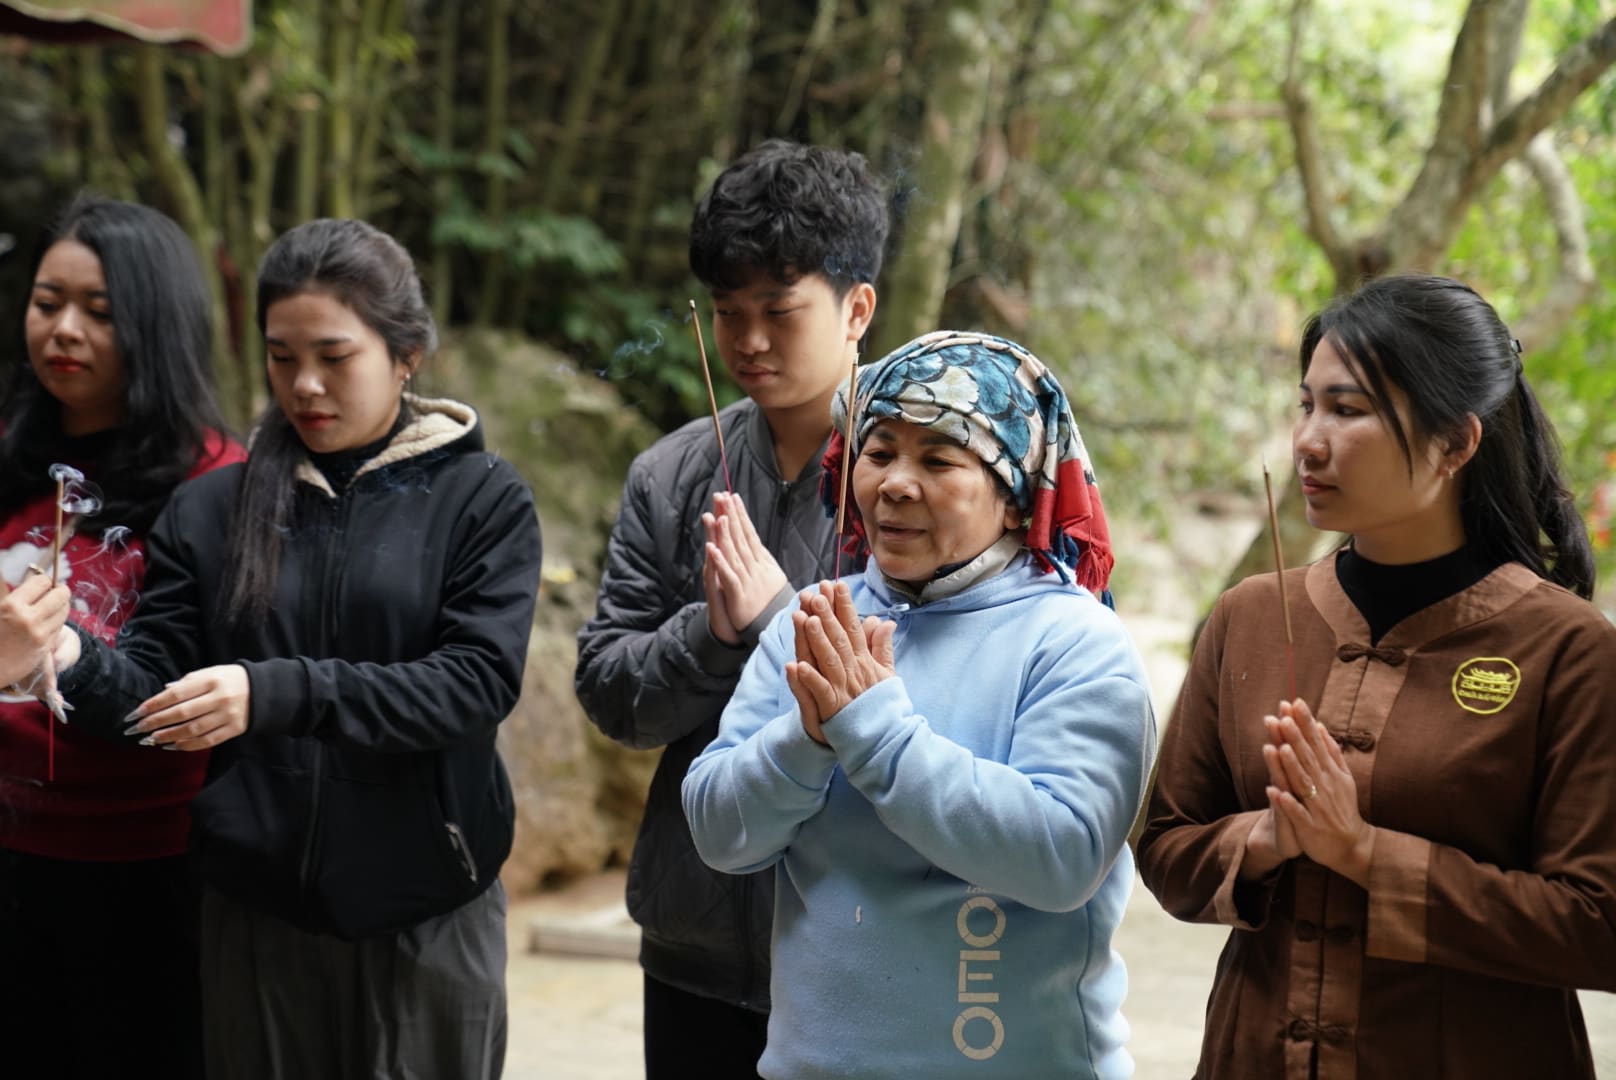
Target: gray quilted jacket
651 675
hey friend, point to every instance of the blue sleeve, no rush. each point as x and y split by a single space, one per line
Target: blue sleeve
1045 826
762 777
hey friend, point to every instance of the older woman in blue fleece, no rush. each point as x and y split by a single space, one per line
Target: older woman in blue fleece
943 757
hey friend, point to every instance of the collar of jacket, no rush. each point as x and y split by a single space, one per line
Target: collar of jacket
1021 578
437 422
760 439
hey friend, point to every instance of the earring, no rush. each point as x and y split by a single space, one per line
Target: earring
1451 472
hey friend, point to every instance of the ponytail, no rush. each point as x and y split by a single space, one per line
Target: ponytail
1563 544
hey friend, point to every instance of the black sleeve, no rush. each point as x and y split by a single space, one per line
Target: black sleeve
470 680
649 670
162 639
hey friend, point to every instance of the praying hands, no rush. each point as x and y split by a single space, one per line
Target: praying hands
1312 799
839 656
740 577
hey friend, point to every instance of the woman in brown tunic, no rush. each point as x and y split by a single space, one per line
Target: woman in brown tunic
1421 877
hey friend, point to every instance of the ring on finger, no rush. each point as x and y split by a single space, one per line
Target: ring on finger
1312 792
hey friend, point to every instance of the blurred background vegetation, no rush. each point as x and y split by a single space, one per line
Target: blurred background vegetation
1151 194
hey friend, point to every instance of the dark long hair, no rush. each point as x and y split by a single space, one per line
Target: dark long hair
163 326
362 267
1446 348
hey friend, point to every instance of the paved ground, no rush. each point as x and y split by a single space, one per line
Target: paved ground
578 1018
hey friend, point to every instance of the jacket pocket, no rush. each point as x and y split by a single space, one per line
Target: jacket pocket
388 859
248 827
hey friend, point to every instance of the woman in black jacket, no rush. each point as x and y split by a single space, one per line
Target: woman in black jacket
345 619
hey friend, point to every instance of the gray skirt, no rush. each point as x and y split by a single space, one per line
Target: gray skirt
427 1003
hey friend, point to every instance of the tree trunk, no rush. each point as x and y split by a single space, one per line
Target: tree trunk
498 86
339 107
441 277
958 63
662 60
262 143
183 196
383 21
575 114
104 166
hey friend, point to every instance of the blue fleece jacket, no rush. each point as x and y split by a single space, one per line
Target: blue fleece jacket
949 872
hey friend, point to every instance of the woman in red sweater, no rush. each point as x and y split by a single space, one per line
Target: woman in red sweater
114 381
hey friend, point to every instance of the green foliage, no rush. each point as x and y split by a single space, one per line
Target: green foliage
631 338
531 239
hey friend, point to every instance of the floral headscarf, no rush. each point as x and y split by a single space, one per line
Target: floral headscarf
999 401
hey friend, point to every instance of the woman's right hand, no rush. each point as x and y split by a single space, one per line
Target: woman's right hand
31 617
839 655
1272 841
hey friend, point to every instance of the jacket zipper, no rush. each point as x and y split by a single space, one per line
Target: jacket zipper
782 505
458 840
324 623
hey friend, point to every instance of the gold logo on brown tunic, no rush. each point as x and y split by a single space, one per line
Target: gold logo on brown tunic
1486 684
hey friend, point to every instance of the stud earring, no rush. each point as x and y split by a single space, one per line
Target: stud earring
1451 472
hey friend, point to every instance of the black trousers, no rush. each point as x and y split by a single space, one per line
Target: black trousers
687 1035
98 969
284 1004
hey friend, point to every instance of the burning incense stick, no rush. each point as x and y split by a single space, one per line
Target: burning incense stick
1279 569
712 401
56 537
847 458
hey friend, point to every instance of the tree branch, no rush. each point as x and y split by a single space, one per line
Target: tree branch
1576 279
1578 68
1316 193
1421 226
1503 51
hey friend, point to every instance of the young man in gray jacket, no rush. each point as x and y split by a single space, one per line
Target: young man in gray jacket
789 241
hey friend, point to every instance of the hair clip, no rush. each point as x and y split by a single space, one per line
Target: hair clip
1515 343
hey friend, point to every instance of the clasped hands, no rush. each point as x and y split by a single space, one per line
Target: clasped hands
1312 801
740 576
839 655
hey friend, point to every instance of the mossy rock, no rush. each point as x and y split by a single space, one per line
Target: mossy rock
579 795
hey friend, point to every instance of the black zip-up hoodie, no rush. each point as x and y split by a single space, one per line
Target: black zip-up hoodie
367 794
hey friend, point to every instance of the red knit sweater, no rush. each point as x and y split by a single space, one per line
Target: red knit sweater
106 802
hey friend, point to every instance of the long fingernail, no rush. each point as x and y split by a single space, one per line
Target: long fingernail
150 740
133 729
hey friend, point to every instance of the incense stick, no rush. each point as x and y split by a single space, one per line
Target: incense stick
56 537
1279 570
847 457
52 696
712 401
